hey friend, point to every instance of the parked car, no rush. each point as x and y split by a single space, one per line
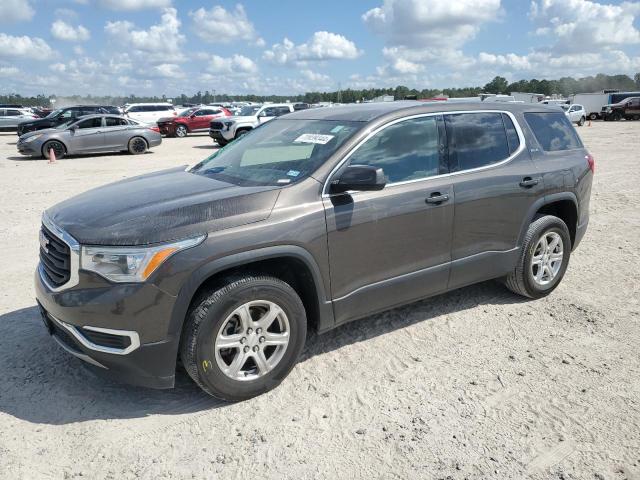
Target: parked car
149 113
575 113
191 120
228 129
10 118
64 115
91 134
629 109
317 218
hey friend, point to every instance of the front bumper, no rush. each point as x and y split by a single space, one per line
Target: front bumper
118 330
31 149
223 135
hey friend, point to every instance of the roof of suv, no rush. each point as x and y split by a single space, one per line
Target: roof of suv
365 112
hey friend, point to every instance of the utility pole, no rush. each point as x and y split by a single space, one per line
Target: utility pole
214 95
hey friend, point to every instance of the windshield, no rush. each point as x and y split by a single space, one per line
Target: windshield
55 113
187 112
280 152
64 125
248 111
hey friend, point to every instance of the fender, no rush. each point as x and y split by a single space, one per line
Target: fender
541 202
206 271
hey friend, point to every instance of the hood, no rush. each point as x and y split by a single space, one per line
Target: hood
39 132
160 207
39 122
238 119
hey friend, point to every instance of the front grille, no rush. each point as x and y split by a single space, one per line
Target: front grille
106 339
216 125
55 258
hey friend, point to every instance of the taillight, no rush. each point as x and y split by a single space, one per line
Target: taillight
155 129
175 113
592 162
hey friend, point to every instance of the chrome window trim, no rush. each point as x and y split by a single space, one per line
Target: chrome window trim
73 330
74 255
516 124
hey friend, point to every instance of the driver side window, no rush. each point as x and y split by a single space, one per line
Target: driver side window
407 150
91 123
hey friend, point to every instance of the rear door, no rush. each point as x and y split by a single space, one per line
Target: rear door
392 246
495 184
116 133
89 136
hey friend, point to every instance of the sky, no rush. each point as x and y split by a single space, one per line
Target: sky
121 47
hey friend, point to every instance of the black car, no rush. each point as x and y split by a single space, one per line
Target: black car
313 219
63 115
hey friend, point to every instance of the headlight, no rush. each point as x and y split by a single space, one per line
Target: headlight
131 264
31 139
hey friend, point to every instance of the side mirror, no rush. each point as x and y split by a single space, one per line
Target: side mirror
359 178
73 128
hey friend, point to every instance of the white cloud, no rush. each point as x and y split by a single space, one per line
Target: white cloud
134 4
224 26
58 67
64 31
430 23
163 39
583 25
16 11
230 65
25 47
168 70
9 71
321 46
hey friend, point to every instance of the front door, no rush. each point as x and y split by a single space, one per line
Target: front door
201 119
495 184
89 136
392 246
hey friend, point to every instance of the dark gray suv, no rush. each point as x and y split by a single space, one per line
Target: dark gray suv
312 220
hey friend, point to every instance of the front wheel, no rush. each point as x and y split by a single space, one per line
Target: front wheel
243 339
581 121
181 131
543 260
616 117
58 149
221 142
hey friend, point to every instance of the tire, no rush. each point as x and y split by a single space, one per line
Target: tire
181 131
521 280
216 315
616 117
581 121
593 116
222 142
240 133
636 117
58 148
137 146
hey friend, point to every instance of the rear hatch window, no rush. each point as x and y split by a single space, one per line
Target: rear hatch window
553 130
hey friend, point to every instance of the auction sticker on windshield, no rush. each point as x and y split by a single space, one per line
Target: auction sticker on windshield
313 138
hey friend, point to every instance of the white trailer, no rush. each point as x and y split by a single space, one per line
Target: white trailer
592 103
526 97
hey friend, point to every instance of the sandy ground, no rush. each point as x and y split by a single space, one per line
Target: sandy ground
473 384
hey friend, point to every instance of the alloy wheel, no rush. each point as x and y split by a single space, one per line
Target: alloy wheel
547 258
181 131
252 340
138 145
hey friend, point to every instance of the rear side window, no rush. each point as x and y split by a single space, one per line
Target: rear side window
407 150
13 113
553 131
115 122
476 140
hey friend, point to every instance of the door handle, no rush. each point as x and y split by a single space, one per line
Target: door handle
437 198
528 182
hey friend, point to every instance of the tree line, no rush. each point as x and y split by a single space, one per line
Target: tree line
564 86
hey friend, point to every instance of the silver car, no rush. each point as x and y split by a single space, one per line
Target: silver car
91 134
11 117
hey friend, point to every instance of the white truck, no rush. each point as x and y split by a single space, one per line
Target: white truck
227 129
592 103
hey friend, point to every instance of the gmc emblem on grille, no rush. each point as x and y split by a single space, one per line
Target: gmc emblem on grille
44 242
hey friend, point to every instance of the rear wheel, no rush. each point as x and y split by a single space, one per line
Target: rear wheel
181 131
543 260
243 339
593 116
58 149
636 117
137 146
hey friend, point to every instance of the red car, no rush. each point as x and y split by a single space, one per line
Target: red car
195 119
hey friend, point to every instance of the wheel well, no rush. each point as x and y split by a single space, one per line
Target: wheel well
243 129
288 269
565 210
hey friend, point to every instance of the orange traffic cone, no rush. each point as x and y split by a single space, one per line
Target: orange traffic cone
52 156
589 122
